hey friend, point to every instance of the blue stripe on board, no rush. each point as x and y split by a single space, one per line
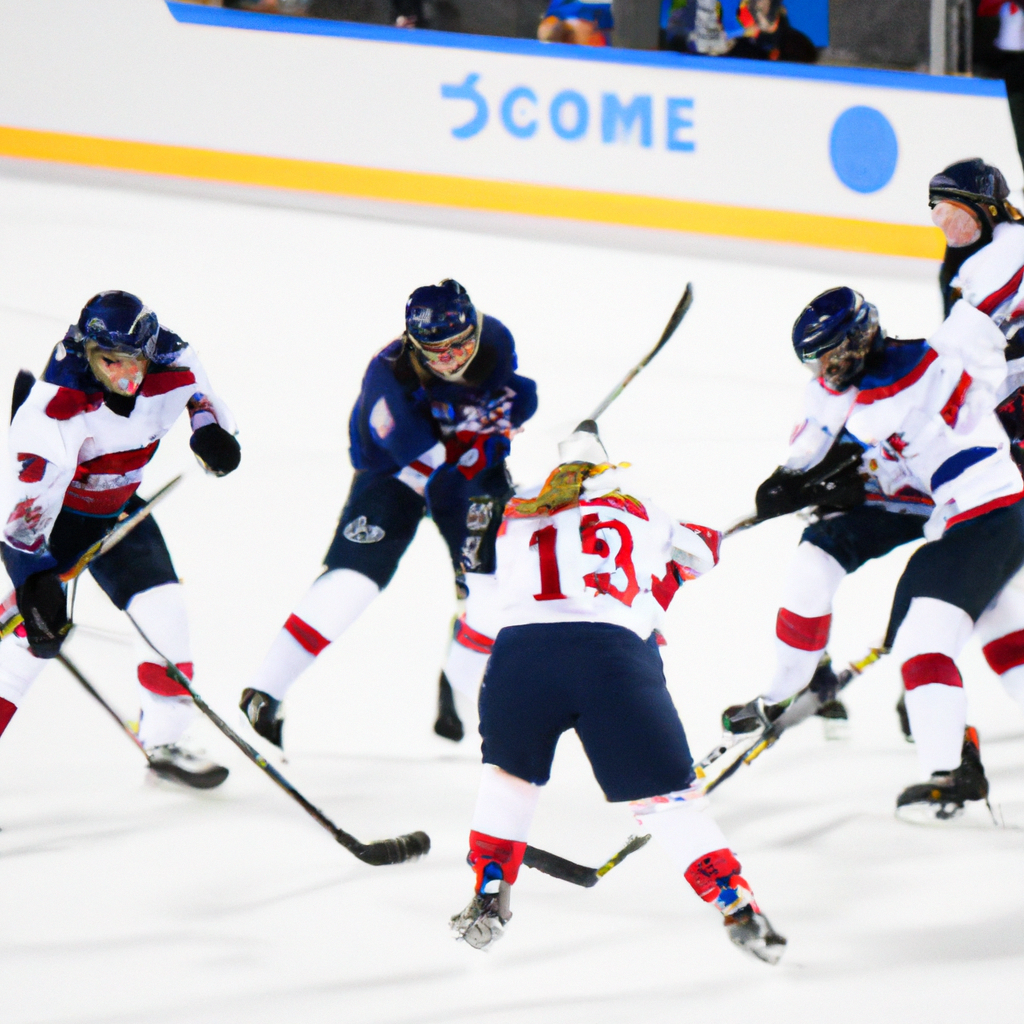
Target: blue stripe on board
909 80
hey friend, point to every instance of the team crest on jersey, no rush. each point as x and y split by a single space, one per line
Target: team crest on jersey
359 531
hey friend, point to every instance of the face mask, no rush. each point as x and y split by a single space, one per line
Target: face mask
839 366
116 371
448 358
959 224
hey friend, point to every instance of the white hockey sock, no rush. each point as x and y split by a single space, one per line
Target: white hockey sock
685 833
19 668
326 610
465 670
804 619
938 716
163 719
504 805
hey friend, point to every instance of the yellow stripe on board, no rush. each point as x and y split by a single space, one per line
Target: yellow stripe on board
476 194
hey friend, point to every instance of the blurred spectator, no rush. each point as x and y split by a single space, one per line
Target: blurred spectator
568 21
408 14
1004 56
758 30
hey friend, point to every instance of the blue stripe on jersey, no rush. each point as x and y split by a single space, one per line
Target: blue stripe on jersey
898 359
956 464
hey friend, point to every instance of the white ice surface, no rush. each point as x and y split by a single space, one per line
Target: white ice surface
125 901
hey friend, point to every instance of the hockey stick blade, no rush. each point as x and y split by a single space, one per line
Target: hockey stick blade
670 328
568 871
384 851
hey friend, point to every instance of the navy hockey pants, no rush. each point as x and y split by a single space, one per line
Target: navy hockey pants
599 679
966 567
139 562
855 537
381 516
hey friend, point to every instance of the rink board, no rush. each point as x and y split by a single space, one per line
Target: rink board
830 157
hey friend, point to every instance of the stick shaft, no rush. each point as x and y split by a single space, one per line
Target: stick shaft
670 328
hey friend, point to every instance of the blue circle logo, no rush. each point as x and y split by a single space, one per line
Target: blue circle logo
864 149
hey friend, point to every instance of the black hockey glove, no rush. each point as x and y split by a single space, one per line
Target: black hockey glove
1011 414
835 483
218 451
43 604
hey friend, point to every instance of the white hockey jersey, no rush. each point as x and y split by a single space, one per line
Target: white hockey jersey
927 418
596 555
68 449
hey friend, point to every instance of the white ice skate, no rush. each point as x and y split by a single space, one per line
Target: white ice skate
180 765
483 921
750 930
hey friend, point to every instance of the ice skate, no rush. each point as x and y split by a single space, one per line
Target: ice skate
751 931
944 795
483 921
263 713
177 764
448 724
834 719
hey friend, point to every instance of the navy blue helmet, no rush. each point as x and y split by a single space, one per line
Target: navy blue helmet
976 185
119 322
834 335
438 314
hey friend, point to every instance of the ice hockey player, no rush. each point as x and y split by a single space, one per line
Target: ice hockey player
585 574
984 264
926 407
429 432
79 440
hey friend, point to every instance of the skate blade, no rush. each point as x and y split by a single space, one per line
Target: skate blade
973 815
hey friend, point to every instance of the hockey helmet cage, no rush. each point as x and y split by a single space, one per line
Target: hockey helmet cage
834 334
978 186
439 314
119 322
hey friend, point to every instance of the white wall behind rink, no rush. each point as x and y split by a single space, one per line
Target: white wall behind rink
740 134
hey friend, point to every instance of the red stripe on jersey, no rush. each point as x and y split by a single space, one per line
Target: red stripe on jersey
989 506
159 382
158 680
117 463
801 633
467 636
98 503
1005 653
32 467
69 402
1000 295
926 669
713 538
7 710
305 635
951 410
420 467
877 394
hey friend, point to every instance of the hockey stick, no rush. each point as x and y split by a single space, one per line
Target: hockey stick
567 871
384 851
670 328
93 692
804 705
110 539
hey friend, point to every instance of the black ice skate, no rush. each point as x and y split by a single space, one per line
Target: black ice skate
944 795
751 931
263 713
179 765
448 723
483 921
